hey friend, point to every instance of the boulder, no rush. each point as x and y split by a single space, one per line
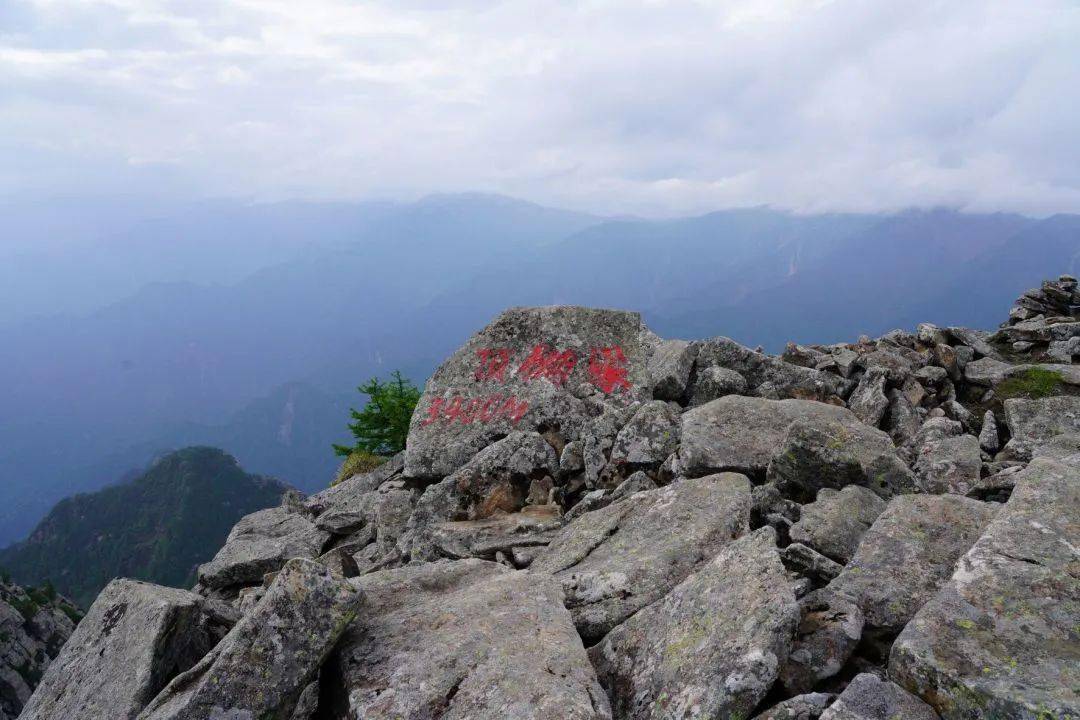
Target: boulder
715 382
261 543
742 434
902 421
712 647
495 481
869 402
1033 422
464 640
649 437
352 489
531 369
829 630
134 639
261 668
769 376
908 554
617 560
809 563
669 369
946 459
835 522
868 697
533 527
1000 639
800 707
977 340
988 435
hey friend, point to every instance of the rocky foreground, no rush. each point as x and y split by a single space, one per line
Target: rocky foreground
592 522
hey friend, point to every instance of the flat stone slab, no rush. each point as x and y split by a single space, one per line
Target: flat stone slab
868 697
712 647
835 522
134 639
1036 421
614 561
741 434
1002 638
261 543
530 369
463 640
908 554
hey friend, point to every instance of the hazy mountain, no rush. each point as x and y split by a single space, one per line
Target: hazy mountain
382 287
158 527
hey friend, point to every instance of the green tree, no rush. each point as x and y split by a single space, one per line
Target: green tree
382 426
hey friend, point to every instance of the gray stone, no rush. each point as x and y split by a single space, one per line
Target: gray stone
715 382
800 707
712 647
868 697
262 666
769 376
464 640
808 562
908 554
496 480
1034 422
975 339
134 639
346 492
649 437
614 561
835 522
930 334
988 435
829 630
669 368
988 372
572 459
533 527
868 402
529 370
901 419
1000 639
743 433
261 543
949 464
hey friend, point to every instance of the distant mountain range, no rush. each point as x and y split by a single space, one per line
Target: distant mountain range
262 358
159 526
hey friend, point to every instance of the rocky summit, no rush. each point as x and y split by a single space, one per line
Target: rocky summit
592 522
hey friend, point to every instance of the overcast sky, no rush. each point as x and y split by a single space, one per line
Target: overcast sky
640 106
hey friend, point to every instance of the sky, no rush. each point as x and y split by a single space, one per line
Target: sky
649 107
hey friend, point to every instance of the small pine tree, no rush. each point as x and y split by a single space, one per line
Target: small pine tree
382 426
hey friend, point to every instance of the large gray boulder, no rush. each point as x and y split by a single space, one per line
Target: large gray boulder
669 368
495 481
742 434
869 401
531 369
617 560
908 554
769 376
829 630
1034 422
868 697
947 460
352 489
260 543
260 669
835 522
712 647
464 640
135 638
650 436
1001 638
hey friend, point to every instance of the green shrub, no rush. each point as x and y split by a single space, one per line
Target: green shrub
1033 383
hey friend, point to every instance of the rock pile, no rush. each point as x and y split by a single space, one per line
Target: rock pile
34 624
592 522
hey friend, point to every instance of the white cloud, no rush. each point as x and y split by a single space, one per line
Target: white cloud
646 106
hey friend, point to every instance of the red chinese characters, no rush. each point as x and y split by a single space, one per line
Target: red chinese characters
608 369
493 363
544 362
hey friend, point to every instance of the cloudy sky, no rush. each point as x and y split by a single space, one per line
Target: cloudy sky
653 107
